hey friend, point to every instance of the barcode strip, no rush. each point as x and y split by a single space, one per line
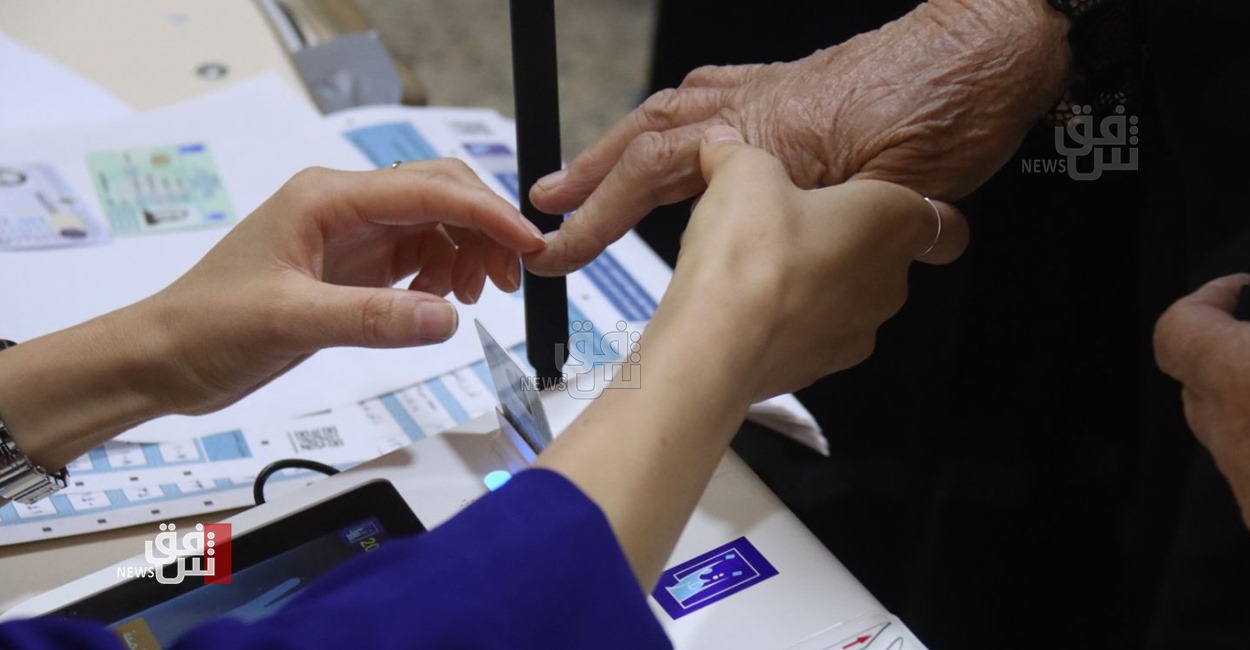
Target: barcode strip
319 438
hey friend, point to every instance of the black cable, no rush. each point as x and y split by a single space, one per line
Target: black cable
258 487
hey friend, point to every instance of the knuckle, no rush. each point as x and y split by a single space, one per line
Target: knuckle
576 251
454 167
306 181
649 153
701 75
660 110
654 157
375 316
732 116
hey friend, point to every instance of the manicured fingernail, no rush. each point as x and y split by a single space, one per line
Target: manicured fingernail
549 181
514 276
437 321
722 133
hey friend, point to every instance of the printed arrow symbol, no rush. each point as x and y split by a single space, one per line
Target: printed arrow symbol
863 639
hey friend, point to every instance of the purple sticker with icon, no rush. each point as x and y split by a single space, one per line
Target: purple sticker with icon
711 577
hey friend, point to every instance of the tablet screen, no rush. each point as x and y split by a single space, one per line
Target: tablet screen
271 565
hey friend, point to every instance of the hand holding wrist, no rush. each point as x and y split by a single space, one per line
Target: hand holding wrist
802 278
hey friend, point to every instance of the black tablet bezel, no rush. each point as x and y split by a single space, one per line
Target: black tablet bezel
377 499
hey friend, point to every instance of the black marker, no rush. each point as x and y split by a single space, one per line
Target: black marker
537 96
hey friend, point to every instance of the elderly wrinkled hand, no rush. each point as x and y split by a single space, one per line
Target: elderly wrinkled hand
936 101
1199 342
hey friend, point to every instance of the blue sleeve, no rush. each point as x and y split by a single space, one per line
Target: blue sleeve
533 565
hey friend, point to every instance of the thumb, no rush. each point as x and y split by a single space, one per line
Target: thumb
1196 332
722 143
1219 294
376 318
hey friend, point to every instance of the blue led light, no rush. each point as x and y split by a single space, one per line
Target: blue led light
496 479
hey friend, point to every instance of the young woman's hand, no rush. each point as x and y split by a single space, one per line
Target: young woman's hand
311 268
805 276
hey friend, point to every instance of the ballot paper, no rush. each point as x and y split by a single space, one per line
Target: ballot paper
41 92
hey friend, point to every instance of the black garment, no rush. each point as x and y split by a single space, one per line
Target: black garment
1199 73
1009 469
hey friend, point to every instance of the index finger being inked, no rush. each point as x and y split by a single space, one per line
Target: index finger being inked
667 110
430 195
656 169
1193 335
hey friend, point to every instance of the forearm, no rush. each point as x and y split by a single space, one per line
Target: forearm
645 455
66 392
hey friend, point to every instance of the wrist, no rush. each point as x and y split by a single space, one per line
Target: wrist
1026 23
714 337
66 392
1023 42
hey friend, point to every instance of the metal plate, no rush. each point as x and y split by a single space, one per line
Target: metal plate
518 394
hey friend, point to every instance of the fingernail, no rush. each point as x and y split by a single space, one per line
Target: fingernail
514 276
554 178
437 321
529 225
475 293
722 133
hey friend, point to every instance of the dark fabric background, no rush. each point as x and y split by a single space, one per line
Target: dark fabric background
1009 469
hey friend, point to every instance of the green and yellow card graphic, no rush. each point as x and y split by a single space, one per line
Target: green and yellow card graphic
160 189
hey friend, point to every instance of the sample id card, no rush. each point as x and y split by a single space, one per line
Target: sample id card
160 189
39 210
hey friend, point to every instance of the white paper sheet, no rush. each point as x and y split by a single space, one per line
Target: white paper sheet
39 91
